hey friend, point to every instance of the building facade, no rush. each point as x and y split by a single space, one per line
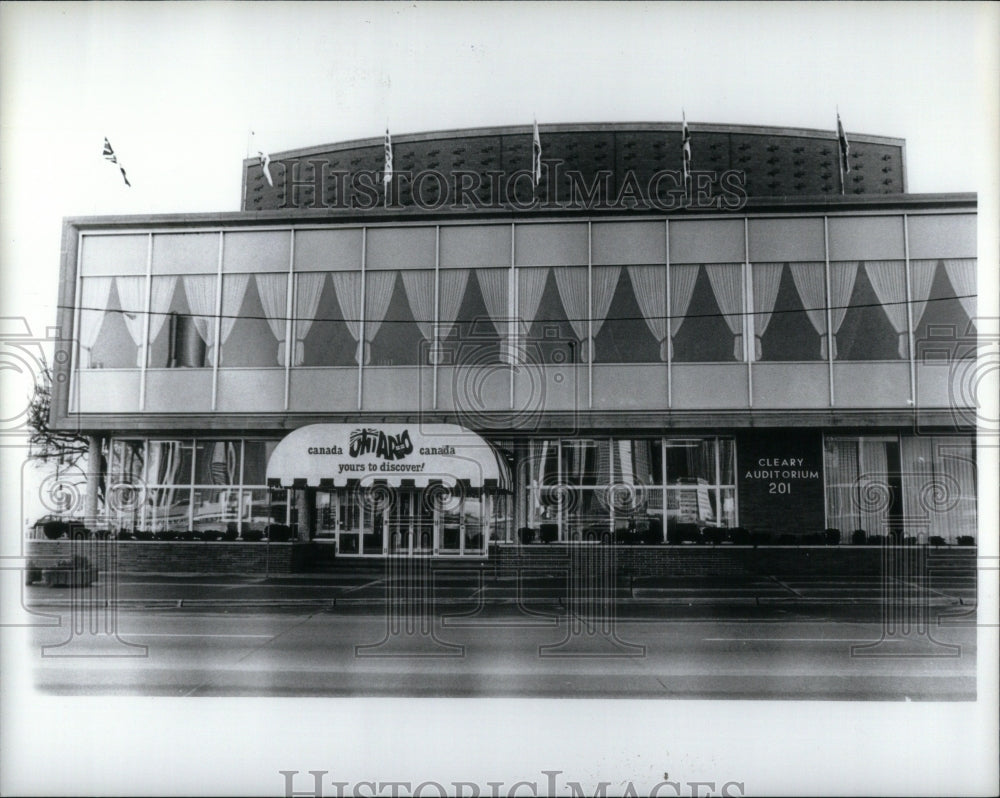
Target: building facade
765 349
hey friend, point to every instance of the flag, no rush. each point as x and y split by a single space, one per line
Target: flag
109 155
845 147
265 164
387 175
685 149
536 155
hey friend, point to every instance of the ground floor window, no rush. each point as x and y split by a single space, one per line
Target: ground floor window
624 489
889 487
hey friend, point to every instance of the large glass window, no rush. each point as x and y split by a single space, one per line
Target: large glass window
210 487
112 320
399 316
634 324
789 311
551 336
944 305
939 486
868 309
627 489
252 327
481 323
182 321
711 324
863 490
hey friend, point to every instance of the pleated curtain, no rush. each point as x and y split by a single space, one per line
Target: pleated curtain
649 284
199 289
888 278
530 287
132 299
842 278
682 282
766 279
161 295
572 284
378 294
921 279
94 295
939 486
273 289
419 287
962 274
493 287
918 484
810 282
605 281
309 289
873 487
842 485
451 291
234 288
347 290
727 285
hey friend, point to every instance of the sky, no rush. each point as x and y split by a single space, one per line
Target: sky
177 87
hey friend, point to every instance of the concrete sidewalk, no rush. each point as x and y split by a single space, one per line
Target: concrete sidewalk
473 588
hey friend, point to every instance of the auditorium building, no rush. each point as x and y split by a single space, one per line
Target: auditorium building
775 345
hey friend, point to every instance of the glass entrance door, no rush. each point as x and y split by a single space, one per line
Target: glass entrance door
413 523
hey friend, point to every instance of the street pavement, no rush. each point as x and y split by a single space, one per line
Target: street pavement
684 652
486 633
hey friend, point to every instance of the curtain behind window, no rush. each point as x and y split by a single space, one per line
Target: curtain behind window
939 486
727 285
962 273
94 295
766 279
309 289
682 281
810 282
649 284
888 279
273 289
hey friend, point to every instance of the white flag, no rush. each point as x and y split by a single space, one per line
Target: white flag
265 164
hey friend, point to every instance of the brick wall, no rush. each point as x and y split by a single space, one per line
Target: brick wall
172 557
721 561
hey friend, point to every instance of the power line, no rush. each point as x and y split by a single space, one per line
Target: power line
604 320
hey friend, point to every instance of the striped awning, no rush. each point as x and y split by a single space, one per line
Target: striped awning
416 455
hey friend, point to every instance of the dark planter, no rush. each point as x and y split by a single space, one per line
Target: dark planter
54 530
832 536
253 535
279 533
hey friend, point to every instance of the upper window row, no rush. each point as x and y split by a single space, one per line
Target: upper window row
533 244
714 312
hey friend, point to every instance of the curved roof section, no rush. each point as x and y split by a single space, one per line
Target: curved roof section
774 162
